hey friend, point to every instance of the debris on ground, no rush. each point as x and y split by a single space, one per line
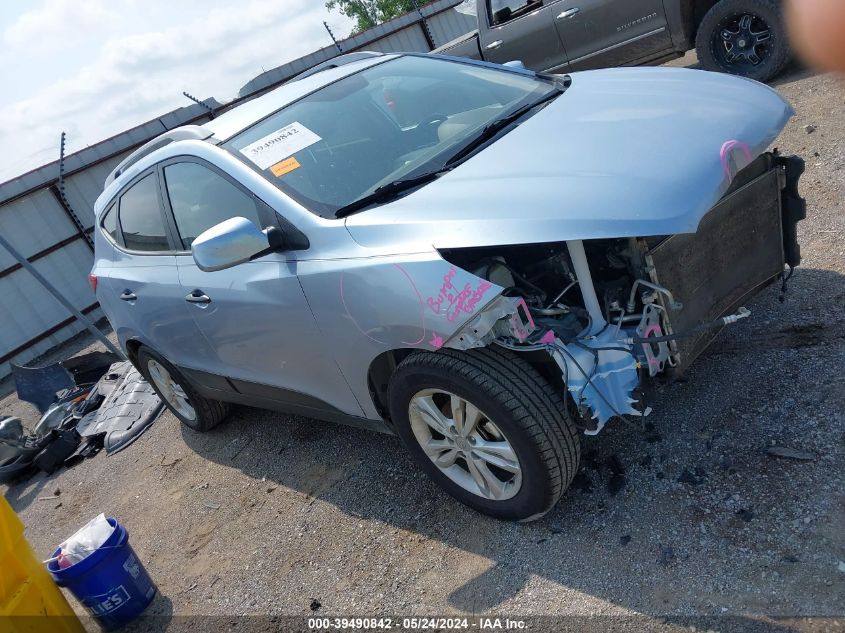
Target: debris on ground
691 478
667 555
87 402
616 482
651 435
129 408
790 453
746 514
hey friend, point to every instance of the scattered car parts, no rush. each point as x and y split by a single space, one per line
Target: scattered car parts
79 418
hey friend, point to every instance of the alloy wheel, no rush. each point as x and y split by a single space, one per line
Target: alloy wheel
742 41
170 390
465 444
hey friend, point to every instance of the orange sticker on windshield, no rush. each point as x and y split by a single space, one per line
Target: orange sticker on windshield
282 168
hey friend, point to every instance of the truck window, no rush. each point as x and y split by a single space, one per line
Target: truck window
501 11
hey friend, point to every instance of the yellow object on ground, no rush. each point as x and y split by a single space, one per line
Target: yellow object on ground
27 591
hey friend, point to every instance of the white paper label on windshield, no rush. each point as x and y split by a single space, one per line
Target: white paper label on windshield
279 145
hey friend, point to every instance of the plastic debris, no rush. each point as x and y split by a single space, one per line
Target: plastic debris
84 541
667 555
130 407
790 453
691 478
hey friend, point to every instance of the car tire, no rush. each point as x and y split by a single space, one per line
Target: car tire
522 424
193 410
724 26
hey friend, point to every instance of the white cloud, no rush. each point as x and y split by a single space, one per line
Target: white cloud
45 29
133 67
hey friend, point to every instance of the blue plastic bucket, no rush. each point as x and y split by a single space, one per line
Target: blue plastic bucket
111 582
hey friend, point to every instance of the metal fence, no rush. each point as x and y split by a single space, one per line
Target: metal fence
434 25
40 222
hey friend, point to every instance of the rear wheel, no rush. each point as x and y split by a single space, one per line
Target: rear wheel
486 427
192 409
743 37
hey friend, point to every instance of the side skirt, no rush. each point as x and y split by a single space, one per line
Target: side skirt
261 396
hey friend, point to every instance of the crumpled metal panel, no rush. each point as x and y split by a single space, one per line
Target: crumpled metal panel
601 379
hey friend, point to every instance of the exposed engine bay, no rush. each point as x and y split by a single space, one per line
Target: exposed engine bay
612 313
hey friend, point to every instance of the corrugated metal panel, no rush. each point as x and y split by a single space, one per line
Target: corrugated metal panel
286 71
374 40
48 173
407 40
31 224
448 25
50 342
83 188
29 309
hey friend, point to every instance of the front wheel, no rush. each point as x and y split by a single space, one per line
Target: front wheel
487 428
743 37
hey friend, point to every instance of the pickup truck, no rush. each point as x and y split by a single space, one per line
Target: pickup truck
742 37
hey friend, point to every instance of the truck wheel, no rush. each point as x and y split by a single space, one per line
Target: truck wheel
487 428
743 37
193 410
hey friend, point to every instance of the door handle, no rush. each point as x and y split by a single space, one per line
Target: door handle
493 45
198 296
568 13
128 295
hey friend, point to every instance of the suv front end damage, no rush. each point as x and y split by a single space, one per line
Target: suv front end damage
613 313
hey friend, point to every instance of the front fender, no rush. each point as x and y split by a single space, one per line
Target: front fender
367 306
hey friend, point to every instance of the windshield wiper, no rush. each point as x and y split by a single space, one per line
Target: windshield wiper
394 189
388 192
494 127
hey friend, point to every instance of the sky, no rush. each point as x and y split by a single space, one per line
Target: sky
94 68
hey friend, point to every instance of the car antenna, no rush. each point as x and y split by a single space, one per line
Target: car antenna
198 102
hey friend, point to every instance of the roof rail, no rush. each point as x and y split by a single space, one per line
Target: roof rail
334 62
183 133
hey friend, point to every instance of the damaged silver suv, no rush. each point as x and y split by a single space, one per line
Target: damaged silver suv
483 260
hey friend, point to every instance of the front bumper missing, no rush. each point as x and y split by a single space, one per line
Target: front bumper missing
740 247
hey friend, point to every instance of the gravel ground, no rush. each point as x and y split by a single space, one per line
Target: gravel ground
687 516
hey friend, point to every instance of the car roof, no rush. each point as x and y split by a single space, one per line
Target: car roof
230 123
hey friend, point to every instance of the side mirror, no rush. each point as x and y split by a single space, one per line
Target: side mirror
232 242
514 64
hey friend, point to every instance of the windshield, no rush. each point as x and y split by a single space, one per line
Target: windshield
385 123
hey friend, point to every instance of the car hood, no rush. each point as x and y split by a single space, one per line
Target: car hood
623 152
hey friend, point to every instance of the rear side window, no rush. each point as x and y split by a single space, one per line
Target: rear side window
110 223
141 220
201 198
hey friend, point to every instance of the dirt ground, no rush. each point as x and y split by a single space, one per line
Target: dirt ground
688 516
